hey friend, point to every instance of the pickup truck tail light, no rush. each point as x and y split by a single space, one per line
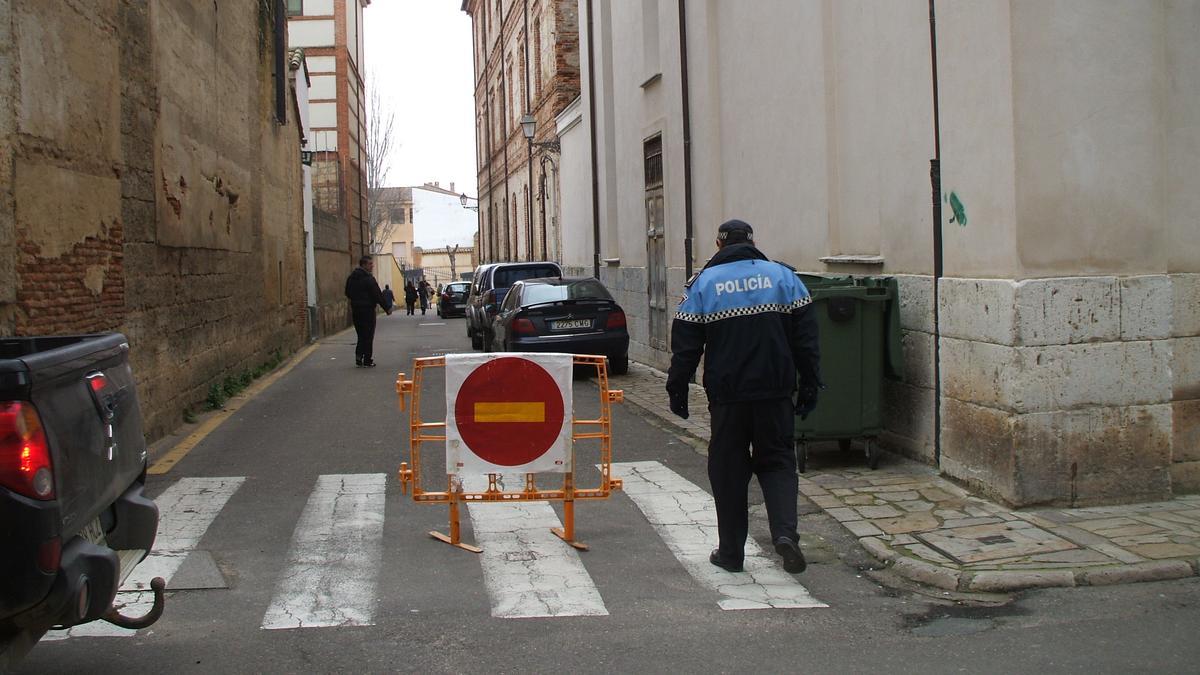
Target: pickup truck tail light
24 453
489 302
616 319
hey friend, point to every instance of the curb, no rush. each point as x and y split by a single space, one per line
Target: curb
1007 581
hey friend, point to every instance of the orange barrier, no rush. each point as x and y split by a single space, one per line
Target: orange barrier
427 432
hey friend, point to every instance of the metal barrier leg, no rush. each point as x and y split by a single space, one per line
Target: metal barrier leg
567 531
455 538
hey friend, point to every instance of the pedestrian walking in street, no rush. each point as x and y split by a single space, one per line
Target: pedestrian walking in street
423 292
410 296
363 292
389 297
750 319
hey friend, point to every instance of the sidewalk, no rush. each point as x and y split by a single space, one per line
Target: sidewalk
932 531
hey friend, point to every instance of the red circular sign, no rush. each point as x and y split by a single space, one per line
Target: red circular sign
509 411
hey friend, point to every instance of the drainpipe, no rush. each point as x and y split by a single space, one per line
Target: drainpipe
935 177
687 143
528 145
504 139
592 132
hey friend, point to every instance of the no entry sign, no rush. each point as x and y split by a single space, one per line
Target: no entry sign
508 413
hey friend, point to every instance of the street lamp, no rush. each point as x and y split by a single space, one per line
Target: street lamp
528 126
463 199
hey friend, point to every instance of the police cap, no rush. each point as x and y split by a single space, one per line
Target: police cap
732 231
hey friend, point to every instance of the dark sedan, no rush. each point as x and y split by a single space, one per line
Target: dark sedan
453 300
572 315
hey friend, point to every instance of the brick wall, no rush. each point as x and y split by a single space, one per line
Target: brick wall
136 205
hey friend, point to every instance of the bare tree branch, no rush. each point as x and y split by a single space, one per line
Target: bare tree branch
381 122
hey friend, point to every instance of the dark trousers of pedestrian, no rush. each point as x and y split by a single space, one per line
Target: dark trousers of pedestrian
767 427
424 305
364 326
410 306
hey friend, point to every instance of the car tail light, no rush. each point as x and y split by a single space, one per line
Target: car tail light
616 319
523 327
24 453
445 297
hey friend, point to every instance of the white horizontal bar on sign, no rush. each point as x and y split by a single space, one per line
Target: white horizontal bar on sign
528 571
684 515
185 510
333 562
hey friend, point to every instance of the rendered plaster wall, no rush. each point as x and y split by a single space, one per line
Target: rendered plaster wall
1069 358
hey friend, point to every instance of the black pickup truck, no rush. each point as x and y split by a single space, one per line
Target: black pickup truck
73 519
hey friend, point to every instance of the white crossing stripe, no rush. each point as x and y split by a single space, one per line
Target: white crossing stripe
684 516
185 510
530 572
334 559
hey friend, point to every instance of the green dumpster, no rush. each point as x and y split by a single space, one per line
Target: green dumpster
859 319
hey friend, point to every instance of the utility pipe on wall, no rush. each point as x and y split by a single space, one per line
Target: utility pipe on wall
935 176
687 143
591 55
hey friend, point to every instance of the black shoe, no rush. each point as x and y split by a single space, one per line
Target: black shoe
369 363
358 362
793 559
727 565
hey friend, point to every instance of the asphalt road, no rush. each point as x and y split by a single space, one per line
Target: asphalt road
429 607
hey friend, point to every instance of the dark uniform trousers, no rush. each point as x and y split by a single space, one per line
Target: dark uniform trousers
364 327
768 427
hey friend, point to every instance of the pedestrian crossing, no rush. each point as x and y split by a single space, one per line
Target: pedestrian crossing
330 576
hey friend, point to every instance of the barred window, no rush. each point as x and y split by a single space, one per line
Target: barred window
652 151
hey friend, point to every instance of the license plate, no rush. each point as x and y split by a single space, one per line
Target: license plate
567 325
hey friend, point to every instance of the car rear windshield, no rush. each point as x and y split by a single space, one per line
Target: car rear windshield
579 290
508 276
456 288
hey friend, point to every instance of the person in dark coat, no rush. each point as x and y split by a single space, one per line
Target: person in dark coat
410 296
751 320
388 296
423 292
363 292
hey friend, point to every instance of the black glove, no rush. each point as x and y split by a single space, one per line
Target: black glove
679 403
806 400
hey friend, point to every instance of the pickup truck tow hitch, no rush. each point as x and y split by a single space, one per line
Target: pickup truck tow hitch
114 616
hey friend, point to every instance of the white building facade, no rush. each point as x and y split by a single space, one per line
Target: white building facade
1049 303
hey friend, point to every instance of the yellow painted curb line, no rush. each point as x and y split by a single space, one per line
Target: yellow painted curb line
177 453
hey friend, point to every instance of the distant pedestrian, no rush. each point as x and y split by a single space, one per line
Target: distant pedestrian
410 296
363 292
750 319
388 296
423 291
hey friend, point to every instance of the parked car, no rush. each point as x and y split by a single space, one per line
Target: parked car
453 300
491 283
73 519
576 315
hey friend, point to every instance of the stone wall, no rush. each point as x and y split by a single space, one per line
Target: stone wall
1069 390
152 190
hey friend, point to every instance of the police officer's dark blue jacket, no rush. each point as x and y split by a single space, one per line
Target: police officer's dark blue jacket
750 318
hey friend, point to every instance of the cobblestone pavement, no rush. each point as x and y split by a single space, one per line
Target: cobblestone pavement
932 531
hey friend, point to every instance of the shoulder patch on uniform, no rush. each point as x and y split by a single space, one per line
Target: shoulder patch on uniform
780 262
692 279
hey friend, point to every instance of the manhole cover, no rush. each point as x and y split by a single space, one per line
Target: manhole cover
981 543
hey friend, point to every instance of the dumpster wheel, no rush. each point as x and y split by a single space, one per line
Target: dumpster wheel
872 450
801 455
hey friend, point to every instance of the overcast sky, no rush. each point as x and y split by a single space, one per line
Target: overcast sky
418 54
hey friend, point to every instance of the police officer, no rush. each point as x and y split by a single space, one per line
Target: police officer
363 293
750 319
